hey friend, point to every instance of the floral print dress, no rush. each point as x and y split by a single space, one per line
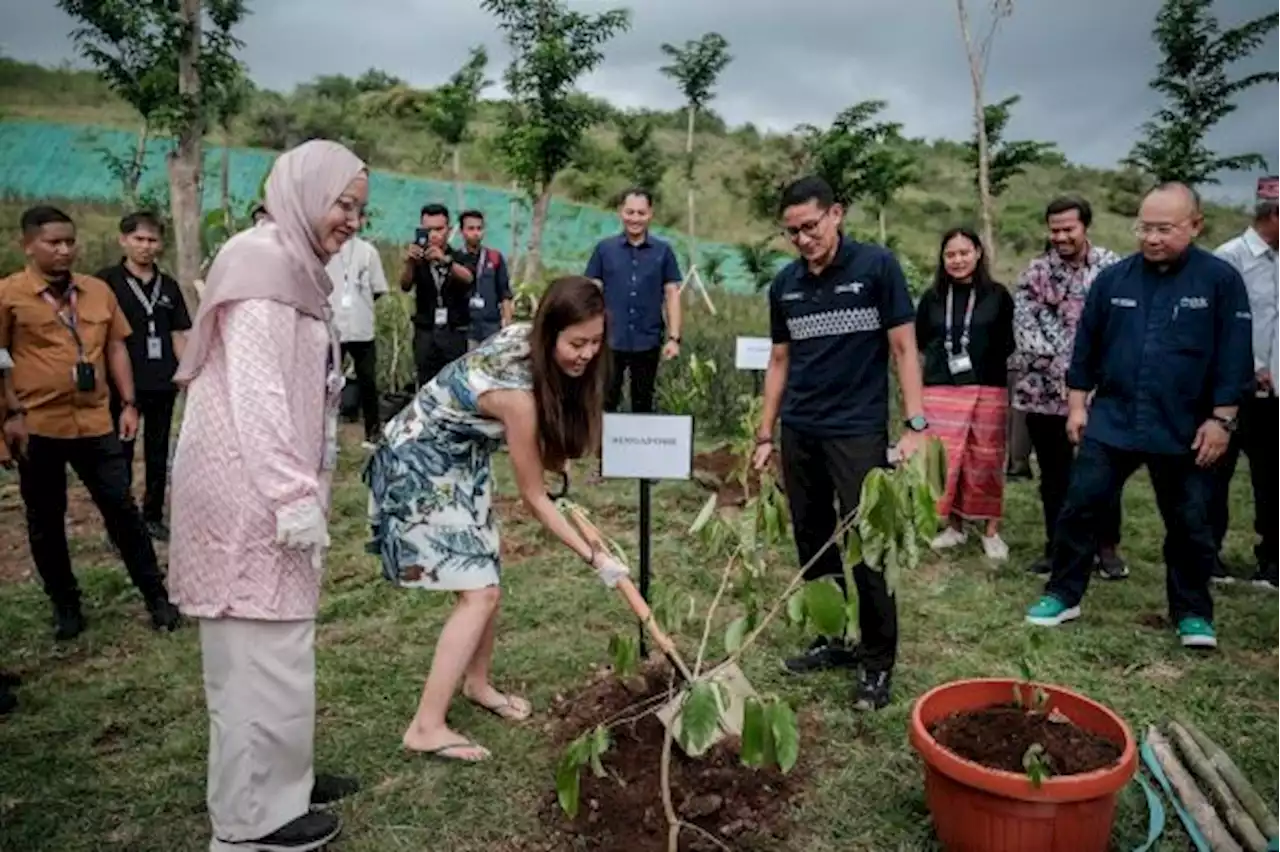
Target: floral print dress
430 480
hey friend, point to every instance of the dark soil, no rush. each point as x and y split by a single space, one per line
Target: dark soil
718 470
998 738
745 808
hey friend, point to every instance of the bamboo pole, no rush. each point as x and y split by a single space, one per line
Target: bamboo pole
1236 818
1215 833
1239 784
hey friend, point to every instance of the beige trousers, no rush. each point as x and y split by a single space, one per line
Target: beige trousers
260 686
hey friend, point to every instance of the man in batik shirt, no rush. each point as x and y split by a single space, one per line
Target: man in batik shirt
1047 305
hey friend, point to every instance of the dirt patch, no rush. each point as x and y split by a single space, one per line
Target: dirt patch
999 737
83 522
720 470
1154 621
622 812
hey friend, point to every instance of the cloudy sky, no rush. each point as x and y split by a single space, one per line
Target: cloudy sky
1081 66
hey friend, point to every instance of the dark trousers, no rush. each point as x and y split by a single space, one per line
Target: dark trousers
1183 493
364 357
155 414
817 472
1017 437
642 370
100 465
1055 453
1256 438
434 349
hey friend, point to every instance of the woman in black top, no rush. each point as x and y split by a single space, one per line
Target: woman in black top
964 328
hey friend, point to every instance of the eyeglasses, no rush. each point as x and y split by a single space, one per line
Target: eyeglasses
1163 229
809 229
351 207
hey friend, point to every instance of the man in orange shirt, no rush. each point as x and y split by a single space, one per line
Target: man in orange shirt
60 335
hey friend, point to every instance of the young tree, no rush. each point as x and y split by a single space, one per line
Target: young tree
979 53
695 68
889 168
160 56
551 47
1192 77
645 166
1005 160
848 153
452 106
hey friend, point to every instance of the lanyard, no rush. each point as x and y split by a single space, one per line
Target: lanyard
67 316
480 262
343 257
968 320
148 305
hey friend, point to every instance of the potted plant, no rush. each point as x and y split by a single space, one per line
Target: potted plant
1011 766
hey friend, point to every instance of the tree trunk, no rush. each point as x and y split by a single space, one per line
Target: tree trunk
186 159
980 129
533 256
1206 819
225 178
1239 785
884 229
139 163
1237 820
458 196
513 260
688 174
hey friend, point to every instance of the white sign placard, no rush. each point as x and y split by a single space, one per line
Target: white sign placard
647 446
752 353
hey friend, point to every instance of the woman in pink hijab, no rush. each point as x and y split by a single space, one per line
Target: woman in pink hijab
251 477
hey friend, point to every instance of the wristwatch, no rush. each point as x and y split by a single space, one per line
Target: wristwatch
1228 423
916 423
674 339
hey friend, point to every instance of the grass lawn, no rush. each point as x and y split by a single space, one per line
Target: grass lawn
107 750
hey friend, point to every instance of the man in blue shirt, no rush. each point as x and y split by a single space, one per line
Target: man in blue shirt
836 315
640 276
1164 347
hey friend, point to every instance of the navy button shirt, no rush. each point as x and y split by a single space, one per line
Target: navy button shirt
1161 349
635 279
836 326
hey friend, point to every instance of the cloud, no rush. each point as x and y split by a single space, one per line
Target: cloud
1082 68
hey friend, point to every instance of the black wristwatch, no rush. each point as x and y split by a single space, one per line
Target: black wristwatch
1228 423
917 423
674 339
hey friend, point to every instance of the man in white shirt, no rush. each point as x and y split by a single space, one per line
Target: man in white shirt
1253 254
358 281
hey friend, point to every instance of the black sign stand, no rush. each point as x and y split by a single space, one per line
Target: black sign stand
757 380
645 569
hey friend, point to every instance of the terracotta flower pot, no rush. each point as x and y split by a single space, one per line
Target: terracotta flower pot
976 809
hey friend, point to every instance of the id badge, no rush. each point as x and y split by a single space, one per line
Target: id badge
477 302
86 378
154 352
442 317
958 364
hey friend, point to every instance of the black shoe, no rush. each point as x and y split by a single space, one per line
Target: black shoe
1266 577
331 788
872 689
1220 574
164 615
157 530
68 622
1018 471
1042 566
822 655
8 701
312 830
1111 567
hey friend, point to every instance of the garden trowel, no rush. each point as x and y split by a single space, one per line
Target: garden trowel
733 688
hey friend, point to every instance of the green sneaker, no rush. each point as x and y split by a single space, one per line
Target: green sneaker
1050 612
1196 633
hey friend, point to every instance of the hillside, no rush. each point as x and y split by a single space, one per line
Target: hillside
340 107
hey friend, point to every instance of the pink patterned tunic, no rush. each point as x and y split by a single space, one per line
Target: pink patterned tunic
252 440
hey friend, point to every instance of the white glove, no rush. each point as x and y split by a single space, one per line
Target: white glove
301 525
609 569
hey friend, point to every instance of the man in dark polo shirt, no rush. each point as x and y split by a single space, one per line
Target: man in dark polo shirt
492 306
837 314
441 283
152 303
640 277
63 334
1164 346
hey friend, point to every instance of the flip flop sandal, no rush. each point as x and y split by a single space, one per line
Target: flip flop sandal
444 753
501 709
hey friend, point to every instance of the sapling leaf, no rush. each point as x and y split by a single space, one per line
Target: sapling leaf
824 605
625 653
600 742
568 784
704 515
734 634
1033 762
786 734
1041 699
755 733
795 607
699 717
925 511
852 547
1024 667
936 456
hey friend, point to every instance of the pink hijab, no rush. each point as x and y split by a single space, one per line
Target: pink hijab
281 259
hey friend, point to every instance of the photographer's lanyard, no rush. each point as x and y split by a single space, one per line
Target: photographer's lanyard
66 314
968 321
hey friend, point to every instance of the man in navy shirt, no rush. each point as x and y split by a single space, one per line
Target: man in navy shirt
1164 347
640 276
836 315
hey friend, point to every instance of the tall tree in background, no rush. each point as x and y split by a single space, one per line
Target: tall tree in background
1006 160
695 67
979 54
645 163
847 153
174 61
551 47
1192 76
452 106
889 168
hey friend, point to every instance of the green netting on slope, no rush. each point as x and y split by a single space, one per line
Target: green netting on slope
40 160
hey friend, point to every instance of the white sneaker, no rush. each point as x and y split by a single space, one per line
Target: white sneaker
948 538
995 548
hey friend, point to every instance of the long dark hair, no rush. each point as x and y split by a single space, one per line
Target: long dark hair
569 407
981 273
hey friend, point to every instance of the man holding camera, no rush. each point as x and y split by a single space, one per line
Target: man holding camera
60 336
441 282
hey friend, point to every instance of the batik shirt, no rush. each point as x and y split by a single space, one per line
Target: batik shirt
1046 308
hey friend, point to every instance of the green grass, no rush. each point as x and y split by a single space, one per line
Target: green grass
107 751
